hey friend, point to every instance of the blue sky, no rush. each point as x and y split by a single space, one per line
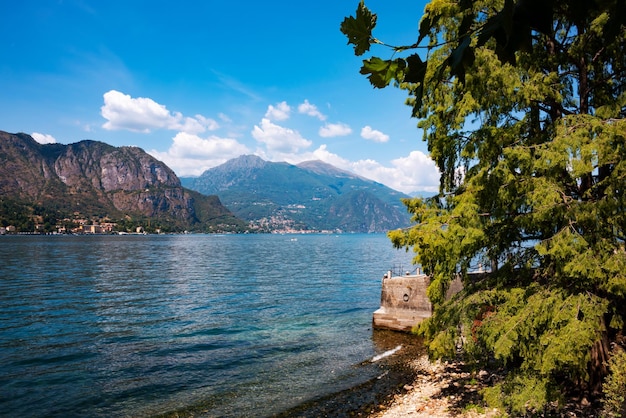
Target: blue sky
196 83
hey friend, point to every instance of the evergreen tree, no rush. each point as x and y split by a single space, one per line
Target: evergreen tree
522 105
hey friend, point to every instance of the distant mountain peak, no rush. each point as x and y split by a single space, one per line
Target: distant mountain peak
246 161
323 168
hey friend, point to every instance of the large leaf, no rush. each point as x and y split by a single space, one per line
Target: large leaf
415 73
461 58
359 29
382 72
416 69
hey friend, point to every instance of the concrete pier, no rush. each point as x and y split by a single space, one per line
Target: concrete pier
404 302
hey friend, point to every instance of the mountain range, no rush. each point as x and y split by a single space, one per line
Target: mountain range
91 180
312 195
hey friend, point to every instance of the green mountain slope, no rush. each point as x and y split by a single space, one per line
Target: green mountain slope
309 196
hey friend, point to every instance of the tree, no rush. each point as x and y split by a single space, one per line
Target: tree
522 104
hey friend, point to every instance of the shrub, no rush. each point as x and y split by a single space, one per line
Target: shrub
614 386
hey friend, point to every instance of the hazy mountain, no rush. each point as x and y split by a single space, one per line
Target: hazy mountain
312 195
92 179
325 169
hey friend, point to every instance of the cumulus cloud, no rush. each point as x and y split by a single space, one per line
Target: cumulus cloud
43 138
373 135
279 138
197 124
280 112
334 129
143 114
311 110
322 153
190 154
415 172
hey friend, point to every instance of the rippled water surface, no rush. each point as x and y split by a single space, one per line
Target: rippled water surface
235 325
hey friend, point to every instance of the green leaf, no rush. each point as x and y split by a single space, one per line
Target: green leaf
461 57
415 73
382 72
416 69
359 29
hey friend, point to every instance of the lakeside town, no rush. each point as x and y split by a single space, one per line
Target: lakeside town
83 226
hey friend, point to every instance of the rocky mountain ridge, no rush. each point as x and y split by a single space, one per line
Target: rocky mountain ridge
95 179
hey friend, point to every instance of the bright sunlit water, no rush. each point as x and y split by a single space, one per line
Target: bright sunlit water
234 325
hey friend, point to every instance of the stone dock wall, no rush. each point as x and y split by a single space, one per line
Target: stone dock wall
404 303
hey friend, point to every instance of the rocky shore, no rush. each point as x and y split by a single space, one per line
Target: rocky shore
412 386
444 390
409 385
439 390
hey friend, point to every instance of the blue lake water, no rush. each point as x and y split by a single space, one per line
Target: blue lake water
229 326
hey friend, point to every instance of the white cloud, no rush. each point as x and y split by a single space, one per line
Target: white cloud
143 114
334 129
191 155
311 110
138 115
278 138
195 125
280 112
373 135
43 138
415 172
323 154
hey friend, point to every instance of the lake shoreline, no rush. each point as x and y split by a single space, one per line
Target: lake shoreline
362 400
397 371
413 386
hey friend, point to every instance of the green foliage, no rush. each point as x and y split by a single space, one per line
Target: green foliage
14 213
614 387
212 216
519 395
543 336
522 104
